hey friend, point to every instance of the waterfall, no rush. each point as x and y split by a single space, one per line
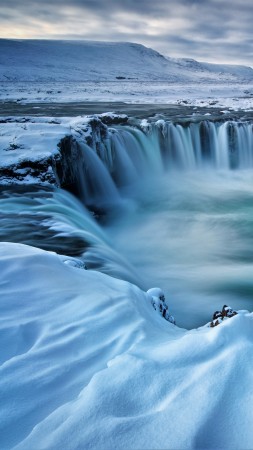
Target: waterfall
222 146
244 147
134 154
95 183
125 155
55 220
176 198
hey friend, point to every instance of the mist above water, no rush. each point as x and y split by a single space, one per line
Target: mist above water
191 234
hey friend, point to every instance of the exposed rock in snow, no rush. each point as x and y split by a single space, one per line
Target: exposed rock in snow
226 313
110 118
159 304
27 150
44 150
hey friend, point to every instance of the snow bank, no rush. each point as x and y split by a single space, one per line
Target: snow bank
28 149
31 139
30 146
34 138
87 363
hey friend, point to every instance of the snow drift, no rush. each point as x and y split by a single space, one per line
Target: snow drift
85 363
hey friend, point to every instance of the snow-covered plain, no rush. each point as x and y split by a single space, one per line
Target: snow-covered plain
235 96
72 71
85 360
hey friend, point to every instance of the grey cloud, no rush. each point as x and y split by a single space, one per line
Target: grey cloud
97 6
203 27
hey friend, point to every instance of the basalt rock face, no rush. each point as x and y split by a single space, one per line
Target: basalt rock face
65 163
71 165
29 172
45 151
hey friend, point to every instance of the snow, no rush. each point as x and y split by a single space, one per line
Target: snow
27 140
45 60
86 71
87 360
86 363
30 139
220 69
158 301
235 96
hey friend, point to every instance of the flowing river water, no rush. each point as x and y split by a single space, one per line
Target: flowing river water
182 218
192 235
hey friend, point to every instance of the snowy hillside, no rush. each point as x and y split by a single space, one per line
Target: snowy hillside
44 61
208 70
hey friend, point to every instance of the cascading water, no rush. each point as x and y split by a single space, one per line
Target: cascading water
55 220
179 202
190 229
96 186
130 153
207 144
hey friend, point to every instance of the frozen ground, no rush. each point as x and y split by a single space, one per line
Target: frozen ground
85 363
234 96
74 71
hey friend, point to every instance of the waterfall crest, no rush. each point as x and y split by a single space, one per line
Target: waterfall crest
125 155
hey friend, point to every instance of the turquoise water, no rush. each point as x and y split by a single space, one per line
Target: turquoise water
177 200
191 234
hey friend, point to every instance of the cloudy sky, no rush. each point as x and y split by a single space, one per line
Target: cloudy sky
207 30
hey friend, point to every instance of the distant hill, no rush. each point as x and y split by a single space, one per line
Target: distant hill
50 60
209 70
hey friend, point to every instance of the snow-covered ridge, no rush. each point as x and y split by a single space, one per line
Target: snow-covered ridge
191 65
82 352
48 61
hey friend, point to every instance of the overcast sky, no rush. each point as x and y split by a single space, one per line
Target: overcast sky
207 30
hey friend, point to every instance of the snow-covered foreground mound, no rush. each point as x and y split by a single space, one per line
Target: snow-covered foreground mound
86 363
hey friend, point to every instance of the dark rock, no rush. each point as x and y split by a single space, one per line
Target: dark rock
226 313
217 314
